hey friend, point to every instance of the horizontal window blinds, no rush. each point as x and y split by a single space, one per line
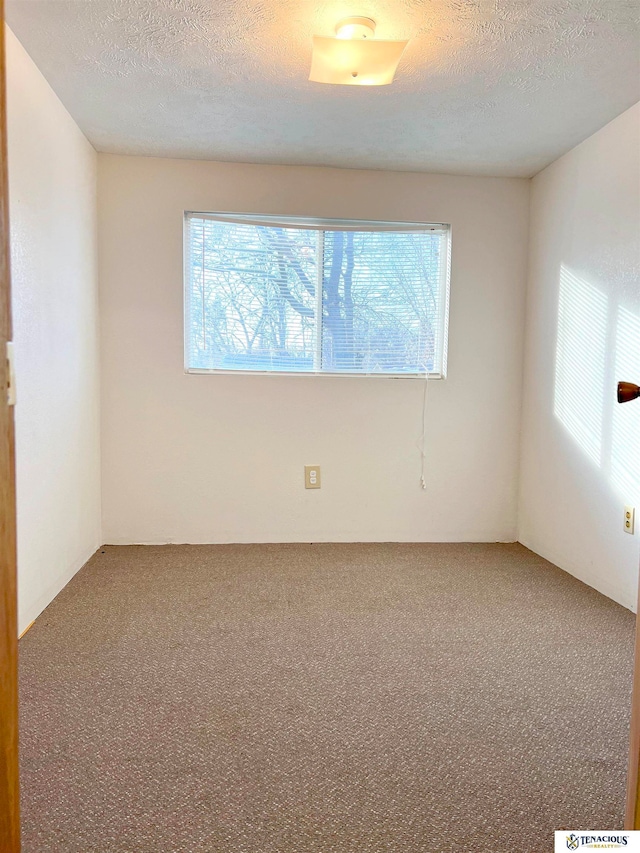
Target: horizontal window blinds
307 296
317 224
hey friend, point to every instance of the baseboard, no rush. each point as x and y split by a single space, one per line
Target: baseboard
443 539
602 585
28 616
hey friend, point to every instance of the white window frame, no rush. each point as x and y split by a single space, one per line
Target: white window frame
320 225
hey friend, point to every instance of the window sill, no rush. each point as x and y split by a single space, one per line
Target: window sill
309 373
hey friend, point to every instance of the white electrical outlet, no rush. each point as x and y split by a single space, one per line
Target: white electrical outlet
629 519
312 476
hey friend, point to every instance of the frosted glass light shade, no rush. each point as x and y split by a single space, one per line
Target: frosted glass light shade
355 62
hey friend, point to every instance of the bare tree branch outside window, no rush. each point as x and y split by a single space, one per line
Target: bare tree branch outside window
253 303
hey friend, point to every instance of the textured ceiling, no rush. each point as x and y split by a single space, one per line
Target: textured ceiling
496 87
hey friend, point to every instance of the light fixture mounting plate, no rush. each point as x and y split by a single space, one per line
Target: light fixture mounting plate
355 28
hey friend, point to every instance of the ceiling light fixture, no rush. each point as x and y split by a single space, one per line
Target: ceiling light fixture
353 57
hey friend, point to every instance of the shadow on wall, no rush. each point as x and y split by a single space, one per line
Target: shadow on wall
598 344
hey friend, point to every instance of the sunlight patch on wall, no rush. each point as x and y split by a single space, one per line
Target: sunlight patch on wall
625 433
580 362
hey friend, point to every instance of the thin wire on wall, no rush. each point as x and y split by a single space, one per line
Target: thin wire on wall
423 437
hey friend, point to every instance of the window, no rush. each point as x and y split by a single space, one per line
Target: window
315 297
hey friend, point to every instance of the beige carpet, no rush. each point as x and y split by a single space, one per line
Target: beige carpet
322 699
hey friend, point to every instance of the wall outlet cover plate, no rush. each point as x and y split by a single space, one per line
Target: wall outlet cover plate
312 476
629 519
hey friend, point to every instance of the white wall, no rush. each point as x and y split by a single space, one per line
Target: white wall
580 450
52 183
220 458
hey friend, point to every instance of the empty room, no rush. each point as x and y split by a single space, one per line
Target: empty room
318 503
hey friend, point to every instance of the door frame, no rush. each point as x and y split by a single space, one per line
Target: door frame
9 787
632 819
